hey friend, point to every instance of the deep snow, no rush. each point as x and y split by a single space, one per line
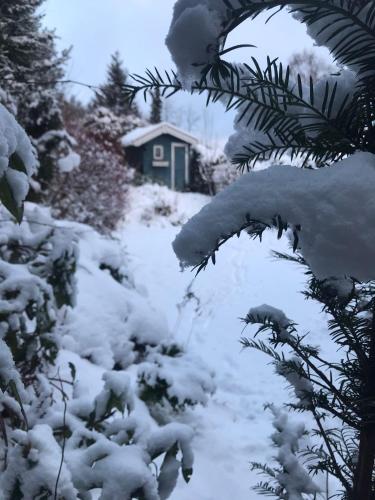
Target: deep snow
204 313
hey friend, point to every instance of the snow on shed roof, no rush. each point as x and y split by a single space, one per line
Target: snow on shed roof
141 135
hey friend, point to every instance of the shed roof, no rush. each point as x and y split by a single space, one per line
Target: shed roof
142 135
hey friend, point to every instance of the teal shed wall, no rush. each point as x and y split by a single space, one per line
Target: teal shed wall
163 174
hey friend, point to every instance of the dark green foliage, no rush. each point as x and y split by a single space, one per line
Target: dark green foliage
19 45
8 200
112 94
30 71
155 393
17 493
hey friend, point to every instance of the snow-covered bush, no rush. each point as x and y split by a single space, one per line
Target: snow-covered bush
95 193
122 337
37 262
17 164
37 271
327 212
158 207
137 336
311 204
59 437
153 203
211 170
111 441
92 183
171 381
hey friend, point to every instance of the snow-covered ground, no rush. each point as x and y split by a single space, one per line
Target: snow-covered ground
204 314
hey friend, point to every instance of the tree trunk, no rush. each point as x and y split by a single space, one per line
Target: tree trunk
363 488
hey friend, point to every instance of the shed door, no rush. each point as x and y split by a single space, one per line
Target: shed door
180 166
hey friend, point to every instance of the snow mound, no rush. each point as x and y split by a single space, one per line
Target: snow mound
156 205
111 314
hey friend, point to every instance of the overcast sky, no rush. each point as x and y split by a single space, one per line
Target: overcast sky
137 29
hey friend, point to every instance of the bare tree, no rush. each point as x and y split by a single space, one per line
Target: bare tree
182 116
192 118
307 64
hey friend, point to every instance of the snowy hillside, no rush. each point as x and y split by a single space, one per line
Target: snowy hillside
203 313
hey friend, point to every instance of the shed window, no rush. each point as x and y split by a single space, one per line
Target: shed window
158 152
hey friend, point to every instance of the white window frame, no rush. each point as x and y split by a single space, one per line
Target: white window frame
158 152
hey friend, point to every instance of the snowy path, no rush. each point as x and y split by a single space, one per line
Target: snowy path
234 429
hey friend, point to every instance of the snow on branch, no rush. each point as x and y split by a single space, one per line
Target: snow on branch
287 436
212 20
329 208
271 316
17 163
277 114
283 331
288 479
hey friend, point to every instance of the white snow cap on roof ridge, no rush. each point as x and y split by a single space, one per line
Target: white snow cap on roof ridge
141 135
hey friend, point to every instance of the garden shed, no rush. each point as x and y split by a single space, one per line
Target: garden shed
161 152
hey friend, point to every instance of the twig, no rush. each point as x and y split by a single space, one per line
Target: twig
5 437
64 398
